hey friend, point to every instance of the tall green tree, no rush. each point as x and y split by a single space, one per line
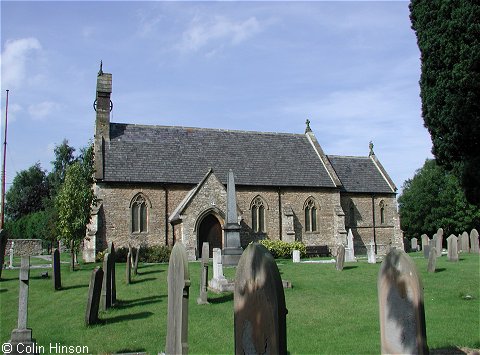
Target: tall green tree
448 35
434 199
64 157
27 192
74 201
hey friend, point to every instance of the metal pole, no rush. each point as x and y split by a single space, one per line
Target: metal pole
3 166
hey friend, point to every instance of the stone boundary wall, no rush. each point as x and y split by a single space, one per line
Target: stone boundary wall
24 247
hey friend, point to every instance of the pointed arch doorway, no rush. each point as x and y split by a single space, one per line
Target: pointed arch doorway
209 230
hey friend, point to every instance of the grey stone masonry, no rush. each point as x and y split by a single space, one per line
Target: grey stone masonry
260 311
340 257
22 334
402 315
232 249
178 293
94 293
57 275
452 246
432 259
474 245
202 299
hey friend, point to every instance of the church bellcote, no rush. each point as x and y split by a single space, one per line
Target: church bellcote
103 106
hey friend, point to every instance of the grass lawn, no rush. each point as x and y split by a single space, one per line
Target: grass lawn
329 312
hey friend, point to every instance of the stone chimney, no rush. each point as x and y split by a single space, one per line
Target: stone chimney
102 107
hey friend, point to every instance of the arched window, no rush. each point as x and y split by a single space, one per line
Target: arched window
382 212
310 215
258 215
139 210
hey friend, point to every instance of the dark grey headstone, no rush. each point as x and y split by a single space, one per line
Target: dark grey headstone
135 265
57 276
340 261
259 304
474 245
432 260
452 245
94 293
106 299
128 269
426 251
3 246
178 292
202 299
112 259
402 316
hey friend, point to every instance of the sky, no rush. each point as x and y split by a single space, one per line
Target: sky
351 68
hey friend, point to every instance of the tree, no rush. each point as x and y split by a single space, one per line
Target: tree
434 199
27 192
448 35
74 200
63 159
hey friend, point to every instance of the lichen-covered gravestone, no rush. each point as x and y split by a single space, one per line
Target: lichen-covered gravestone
57 276
452 246
202 299
474 246
339 262
465 241
425 241
439 245
259 304
94 293
178 292
402 316
113 283
106 299
432 260
414 244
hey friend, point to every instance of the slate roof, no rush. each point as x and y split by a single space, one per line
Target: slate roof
359 174
164 154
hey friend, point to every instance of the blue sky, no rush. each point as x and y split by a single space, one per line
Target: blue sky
352 68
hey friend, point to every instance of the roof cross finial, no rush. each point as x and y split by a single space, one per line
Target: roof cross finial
370 145
100 72
307 129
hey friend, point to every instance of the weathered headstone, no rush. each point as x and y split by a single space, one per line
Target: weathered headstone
371 256
439 245
130 259
459 244
350 249
402 315
426 251
425 240
474 246
202 299
414 244
22 334
219 283
465 241
112 259
432 260
340 260
296 256
57 276
178 292
232 248
12 251
3 246
106 299
452 248
260 325
128 269
94 293
135 265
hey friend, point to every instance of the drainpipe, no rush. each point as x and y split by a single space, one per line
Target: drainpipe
373 215
280 213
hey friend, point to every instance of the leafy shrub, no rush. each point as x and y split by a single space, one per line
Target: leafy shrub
100 255
153 254
281 249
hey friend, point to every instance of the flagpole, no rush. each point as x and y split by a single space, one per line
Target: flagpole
2 221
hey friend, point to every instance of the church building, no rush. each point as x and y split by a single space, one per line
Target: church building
159 184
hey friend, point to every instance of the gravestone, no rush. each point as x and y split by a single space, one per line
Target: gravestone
3 246
260 312
296 256
232 249
474 241
11 255
465 241
22 334
432 260
202 299
425 240
135 265
414 244
219 283
452 248
426 251
130 259
128 269
350 250
433 243
57 276
459 244
340 257
439 245
402 315
178 292
112 259
371 256
106 299
94 293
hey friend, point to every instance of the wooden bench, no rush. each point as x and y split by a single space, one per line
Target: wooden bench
318 250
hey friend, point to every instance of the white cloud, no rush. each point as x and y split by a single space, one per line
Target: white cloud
43 109
14 60
13 110
202 33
